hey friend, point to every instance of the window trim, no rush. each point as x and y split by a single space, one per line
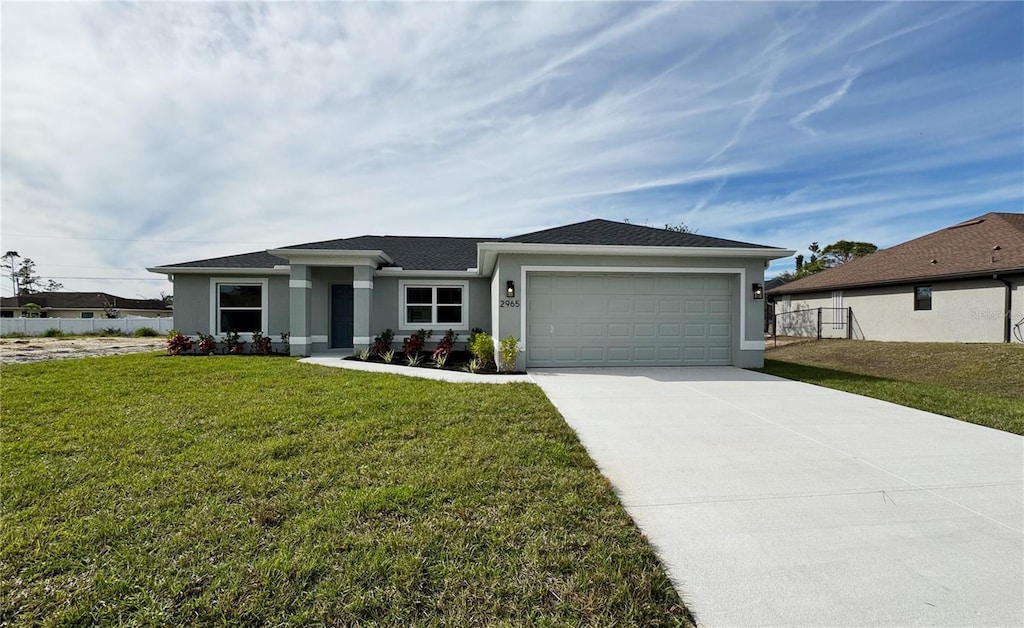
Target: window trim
433 284
264 284
917 301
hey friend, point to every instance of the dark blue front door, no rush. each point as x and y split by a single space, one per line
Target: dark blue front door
341 316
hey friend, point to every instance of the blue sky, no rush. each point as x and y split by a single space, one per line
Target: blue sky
140 134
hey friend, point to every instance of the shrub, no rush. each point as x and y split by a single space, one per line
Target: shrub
261 345
178 343
364 354
112 331
413 359
476 331
472 366
382 343
482 348
388 356
439 361
414 343
146 332
53 332
445 345
285 345
207 343
509 353
233 342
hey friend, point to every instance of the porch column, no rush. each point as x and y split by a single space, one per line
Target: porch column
362 306
300 290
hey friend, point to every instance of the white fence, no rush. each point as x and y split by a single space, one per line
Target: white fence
36 326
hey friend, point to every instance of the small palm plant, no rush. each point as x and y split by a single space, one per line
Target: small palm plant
388 356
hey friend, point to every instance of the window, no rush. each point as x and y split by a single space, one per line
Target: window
922 297
238 305
88 314
434 306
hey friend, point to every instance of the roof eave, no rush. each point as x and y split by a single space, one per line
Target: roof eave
487 252
220 270
328 257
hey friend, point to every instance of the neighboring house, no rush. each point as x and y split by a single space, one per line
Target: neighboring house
964 283
592 293
80 305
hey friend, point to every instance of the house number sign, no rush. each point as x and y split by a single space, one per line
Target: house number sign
510 303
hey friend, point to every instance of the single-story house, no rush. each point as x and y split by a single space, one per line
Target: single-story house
964 283
586 294
81 305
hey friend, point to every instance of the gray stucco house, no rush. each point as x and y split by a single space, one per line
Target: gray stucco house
588 294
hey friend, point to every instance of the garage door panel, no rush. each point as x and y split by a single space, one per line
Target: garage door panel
618 330
695 331
695 306
590 319
643 330
718 330
669 330
720 306
642 305
670 306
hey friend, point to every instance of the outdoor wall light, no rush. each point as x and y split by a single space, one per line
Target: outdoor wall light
510 288
758 290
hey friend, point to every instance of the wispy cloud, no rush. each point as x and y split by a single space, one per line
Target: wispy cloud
824 103
139 134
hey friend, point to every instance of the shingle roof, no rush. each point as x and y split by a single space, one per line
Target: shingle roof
82 301
989 244
409 252
608 232
256 259
443 253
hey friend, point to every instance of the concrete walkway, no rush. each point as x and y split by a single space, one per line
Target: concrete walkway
780 503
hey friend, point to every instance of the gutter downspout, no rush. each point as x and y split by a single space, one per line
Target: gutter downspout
1006 307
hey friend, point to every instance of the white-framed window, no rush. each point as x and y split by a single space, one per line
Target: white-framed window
238 304
88 314
436 304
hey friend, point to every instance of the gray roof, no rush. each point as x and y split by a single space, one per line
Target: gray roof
256 259
82 301
608 232
442 253
409 252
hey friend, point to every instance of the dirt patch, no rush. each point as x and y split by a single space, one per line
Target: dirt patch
21 350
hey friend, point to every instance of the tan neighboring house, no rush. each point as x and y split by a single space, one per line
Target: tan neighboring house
80 305
964 283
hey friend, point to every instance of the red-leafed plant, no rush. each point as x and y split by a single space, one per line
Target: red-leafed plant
261 345
178 343
382 343
412 345
207 343
445 345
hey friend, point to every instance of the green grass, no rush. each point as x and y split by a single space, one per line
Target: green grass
978 383
155 490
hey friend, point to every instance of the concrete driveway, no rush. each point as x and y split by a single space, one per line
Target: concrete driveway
779 503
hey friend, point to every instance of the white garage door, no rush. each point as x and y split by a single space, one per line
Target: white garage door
591 319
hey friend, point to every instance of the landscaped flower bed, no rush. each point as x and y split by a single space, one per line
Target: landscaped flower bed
180 344
477 358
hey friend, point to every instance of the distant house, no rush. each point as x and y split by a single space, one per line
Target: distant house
80 305
964 283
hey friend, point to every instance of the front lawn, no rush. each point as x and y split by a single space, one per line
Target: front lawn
154 490
978 383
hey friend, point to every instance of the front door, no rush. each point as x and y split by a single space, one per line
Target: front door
341 316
